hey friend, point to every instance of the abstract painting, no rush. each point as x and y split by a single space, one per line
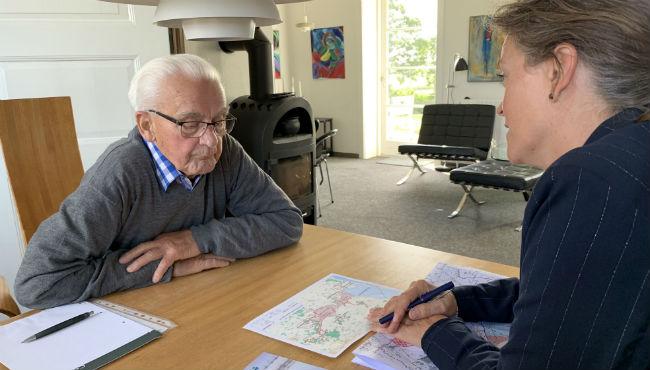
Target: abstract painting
327 53
484 49
276 54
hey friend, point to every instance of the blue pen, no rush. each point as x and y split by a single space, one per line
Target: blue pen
426 297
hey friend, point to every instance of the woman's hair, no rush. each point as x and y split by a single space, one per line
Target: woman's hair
612 38
146 84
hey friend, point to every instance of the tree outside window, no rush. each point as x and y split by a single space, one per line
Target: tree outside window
411 71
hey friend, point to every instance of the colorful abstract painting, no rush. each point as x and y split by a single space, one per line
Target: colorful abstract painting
276 54
327 53
484 49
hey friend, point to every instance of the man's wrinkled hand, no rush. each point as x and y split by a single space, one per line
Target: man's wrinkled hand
168 248
199 263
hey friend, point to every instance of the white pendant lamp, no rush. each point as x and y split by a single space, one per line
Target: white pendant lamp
224 20
305 25
217 19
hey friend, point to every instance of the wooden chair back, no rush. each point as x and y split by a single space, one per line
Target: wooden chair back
7 304
41 152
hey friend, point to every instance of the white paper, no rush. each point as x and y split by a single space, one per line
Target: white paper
383 352
68 348
326 317
443 273
269 361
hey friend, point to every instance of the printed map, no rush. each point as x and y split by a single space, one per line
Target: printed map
326 317
385 352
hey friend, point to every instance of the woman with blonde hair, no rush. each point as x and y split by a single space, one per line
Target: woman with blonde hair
577 92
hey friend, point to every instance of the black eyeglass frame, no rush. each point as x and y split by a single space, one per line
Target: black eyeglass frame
228 124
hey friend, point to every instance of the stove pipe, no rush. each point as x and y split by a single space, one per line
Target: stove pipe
259 60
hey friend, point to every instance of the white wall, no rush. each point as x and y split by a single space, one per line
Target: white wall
340 99
453 37
371 53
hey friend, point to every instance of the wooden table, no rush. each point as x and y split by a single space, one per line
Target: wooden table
211 308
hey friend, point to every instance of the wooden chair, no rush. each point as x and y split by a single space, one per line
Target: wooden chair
41 152
7 304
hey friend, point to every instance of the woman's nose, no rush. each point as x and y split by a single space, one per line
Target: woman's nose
500 109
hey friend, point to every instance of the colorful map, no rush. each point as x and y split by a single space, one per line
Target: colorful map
443 273
326 317
385 352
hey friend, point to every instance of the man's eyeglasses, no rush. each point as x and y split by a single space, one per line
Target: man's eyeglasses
193 129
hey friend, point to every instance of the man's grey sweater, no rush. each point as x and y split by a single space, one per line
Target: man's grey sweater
119 204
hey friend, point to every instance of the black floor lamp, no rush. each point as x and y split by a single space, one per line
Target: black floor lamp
459 64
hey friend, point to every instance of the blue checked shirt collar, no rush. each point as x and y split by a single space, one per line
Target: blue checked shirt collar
166 171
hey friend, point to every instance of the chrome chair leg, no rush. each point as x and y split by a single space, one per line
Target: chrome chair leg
461 204
467 193
322 178
415 165
329 182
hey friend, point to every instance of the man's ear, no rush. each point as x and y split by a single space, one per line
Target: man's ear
145 125
563 68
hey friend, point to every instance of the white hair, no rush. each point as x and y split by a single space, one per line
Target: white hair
145 86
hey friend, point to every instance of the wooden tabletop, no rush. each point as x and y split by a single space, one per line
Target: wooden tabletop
212 307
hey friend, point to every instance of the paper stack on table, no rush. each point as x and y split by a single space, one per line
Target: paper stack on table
383 352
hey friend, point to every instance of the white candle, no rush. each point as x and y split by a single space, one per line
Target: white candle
293 89
299 88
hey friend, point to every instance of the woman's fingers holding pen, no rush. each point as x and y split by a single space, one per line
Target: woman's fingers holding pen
398 305
445 305
416 289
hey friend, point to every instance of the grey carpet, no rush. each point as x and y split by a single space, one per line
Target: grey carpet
367 201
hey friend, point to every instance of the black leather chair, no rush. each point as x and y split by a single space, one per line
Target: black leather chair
494 174
453 133
321 157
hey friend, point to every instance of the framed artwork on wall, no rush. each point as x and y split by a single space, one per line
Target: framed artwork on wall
484 49
327 53
276 54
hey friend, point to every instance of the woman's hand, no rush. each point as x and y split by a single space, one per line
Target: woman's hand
430 312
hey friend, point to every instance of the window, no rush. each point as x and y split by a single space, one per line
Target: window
410 68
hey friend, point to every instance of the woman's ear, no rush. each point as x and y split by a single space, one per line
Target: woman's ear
562 68
145 125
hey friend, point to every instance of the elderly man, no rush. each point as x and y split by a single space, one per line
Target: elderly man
177 197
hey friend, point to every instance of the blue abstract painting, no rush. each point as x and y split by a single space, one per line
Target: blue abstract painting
485 43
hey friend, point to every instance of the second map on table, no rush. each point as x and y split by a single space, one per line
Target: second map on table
326 317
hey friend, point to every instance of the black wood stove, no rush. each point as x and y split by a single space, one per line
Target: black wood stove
276 130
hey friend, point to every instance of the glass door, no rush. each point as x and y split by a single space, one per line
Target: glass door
409 69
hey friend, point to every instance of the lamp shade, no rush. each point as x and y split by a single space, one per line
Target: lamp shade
460 64
134 2
225 20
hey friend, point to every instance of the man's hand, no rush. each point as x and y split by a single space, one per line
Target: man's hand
444 305
168 248
199 263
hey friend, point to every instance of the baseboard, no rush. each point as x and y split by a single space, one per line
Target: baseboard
345 155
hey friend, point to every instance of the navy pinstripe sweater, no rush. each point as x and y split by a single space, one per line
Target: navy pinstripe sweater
583 298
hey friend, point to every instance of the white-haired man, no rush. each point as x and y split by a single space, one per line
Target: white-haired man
177 197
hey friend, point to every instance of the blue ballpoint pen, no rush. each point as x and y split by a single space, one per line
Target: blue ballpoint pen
426 297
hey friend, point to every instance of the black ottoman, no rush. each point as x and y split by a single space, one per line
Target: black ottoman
495 174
